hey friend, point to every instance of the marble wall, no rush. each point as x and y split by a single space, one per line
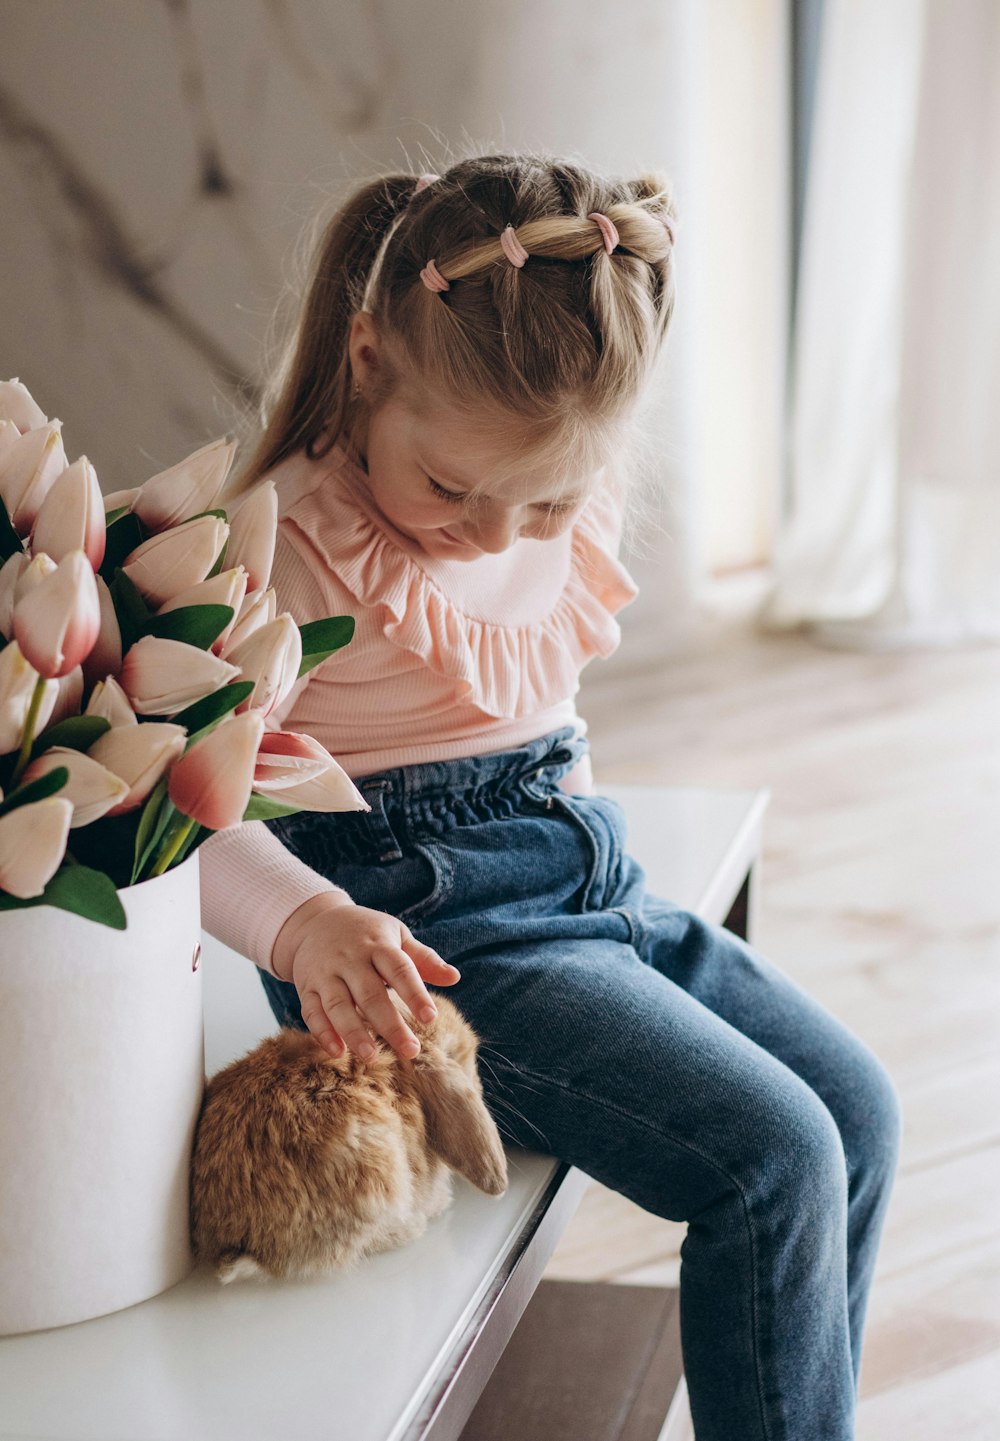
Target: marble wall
159 160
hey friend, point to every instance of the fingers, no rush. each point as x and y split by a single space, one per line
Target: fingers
426 956
316 1020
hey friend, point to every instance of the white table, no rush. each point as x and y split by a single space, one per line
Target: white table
403 1348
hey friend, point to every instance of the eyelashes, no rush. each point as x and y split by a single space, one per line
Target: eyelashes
459 495
455 495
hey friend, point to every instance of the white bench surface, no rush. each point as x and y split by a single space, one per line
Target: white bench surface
353 1356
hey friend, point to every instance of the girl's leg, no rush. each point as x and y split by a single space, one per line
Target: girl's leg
592 1055
759 1000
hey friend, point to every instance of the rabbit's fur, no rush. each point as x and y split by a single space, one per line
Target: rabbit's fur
304 1163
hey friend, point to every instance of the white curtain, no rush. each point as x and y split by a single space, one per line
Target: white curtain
893 533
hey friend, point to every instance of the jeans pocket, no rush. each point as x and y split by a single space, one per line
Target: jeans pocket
437 886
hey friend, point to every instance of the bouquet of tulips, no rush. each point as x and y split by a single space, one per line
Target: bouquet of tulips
141 652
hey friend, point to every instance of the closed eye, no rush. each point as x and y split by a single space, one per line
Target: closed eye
445 494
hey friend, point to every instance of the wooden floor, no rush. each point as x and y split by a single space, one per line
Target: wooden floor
881 896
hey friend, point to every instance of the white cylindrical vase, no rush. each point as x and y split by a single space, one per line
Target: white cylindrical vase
102 1072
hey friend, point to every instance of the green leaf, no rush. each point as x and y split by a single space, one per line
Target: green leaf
218 512
220 560
78 732
123 535
321 638
36 790
110 516
199 717
194 838
197 625
156 816
131 610
263 808
10 541
78 889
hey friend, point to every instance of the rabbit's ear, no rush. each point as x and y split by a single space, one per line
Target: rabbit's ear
459 1127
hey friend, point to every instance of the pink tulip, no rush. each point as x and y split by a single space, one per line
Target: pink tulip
105 657
30 465
226 588
57 623
10 573
9 433
17 405
69 696
32 845
251 535
40 566
115 499
109 701
71 517
17 686
212 781
298 771
186 489
91 787
138 755
170 562
259 608
161 677
270 658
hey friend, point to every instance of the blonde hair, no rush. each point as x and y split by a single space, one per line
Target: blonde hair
549 359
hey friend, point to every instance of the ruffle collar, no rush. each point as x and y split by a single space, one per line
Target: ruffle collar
505 671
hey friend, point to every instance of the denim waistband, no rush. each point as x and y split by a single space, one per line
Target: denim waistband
417 802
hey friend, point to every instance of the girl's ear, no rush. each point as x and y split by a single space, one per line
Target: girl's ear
363 348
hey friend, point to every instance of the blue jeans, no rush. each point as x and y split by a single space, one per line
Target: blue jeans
654 1051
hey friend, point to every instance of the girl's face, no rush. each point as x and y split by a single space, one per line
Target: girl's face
420 469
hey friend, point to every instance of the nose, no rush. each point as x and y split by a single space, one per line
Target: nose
496 532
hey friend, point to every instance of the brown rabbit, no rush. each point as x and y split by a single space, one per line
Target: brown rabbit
304 1163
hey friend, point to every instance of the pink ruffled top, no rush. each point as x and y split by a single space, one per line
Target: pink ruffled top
449 658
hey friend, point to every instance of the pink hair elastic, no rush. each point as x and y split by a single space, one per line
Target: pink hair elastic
433 278
668 226
608 229
423 183
512 247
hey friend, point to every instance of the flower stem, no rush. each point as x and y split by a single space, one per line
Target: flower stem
181 830
30 720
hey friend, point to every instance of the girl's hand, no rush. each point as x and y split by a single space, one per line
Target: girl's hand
342 958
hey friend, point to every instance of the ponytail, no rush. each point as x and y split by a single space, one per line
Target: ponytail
308 400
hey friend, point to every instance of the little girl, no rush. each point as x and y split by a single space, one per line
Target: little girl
446 442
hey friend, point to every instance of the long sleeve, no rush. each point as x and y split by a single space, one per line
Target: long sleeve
250 885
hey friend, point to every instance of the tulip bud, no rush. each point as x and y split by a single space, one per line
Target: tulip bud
298 771
33 574
69 695
211 782
10 573
8 434
32 844
270 658
92 789
110 702
17 686
138 755
251 535
115 499
186 489
259 608
226 588
161 677
105 657
57 623
170 562
30 465
71 517
18 406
